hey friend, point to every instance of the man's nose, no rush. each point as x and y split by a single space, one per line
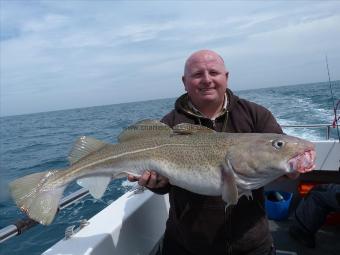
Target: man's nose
206 77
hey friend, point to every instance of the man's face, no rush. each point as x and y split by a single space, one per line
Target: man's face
205 78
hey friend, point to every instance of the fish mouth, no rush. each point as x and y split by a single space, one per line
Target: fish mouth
303 162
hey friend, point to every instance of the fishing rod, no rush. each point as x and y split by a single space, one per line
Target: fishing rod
335 106
24 224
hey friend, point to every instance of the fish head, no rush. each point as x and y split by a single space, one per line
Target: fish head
257 159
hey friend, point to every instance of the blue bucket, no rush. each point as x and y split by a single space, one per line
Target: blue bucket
278 210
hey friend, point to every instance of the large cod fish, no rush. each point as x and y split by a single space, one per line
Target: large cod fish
192 157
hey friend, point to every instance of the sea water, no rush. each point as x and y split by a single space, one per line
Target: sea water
37 142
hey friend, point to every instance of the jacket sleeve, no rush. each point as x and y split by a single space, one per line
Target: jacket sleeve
266 122
167 119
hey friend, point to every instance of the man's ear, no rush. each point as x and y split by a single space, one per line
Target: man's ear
227 77
183 80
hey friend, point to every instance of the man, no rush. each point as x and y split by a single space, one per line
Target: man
311 213
202 224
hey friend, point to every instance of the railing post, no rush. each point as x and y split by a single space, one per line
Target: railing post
328 132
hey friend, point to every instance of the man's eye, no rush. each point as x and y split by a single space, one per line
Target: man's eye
196 75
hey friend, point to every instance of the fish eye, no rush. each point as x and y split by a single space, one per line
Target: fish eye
278 144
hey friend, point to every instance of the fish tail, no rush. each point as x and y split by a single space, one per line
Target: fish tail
34 195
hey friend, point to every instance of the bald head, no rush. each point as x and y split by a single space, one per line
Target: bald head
205 80
202 54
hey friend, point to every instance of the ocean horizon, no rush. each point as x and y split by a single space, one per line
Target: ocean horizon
336 82
36 142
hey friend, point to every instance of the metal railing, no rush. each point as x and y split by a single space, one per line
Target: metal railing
24 224
327 127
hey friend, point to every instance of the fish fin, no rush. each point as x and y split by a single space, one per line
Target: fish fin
144 128
229 187
83 147
188 129
34 198
95 184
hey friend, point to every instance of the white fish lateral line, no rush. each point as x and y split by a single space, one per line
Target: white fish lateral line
130 153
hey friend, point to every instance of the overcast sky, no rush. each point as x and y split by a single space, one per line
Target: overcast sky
69 54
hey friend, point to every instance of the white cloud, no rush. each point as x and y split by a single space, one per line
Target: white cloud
47 23
101 53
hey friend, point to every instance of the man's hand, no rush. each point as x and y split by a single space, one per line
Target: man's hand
150 179
290 176
293 176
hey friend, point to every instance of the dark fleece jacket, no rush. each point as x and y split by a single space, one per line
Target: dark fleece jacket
200 224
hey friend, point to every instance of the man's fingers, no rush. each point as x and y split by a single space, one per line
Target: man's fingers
153 180
149 179
144 179
132 178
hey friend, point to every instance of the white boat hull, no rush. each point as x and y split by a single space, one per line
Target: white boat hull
135 223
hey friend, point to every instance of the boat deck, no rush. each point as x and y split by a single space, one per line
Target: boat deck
327 240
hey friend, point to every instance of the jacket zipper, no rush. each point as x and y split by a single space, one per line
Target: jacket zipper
227 215
225 122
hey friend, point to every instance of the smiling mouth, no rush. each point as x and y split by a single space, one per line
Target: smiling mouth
206 89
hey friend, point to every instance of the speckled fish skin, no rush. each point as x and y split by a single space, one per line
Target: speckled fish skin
194 162
191 157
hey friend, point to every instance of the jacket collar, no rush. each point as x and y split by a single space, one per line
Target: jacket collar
184 105
222 111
